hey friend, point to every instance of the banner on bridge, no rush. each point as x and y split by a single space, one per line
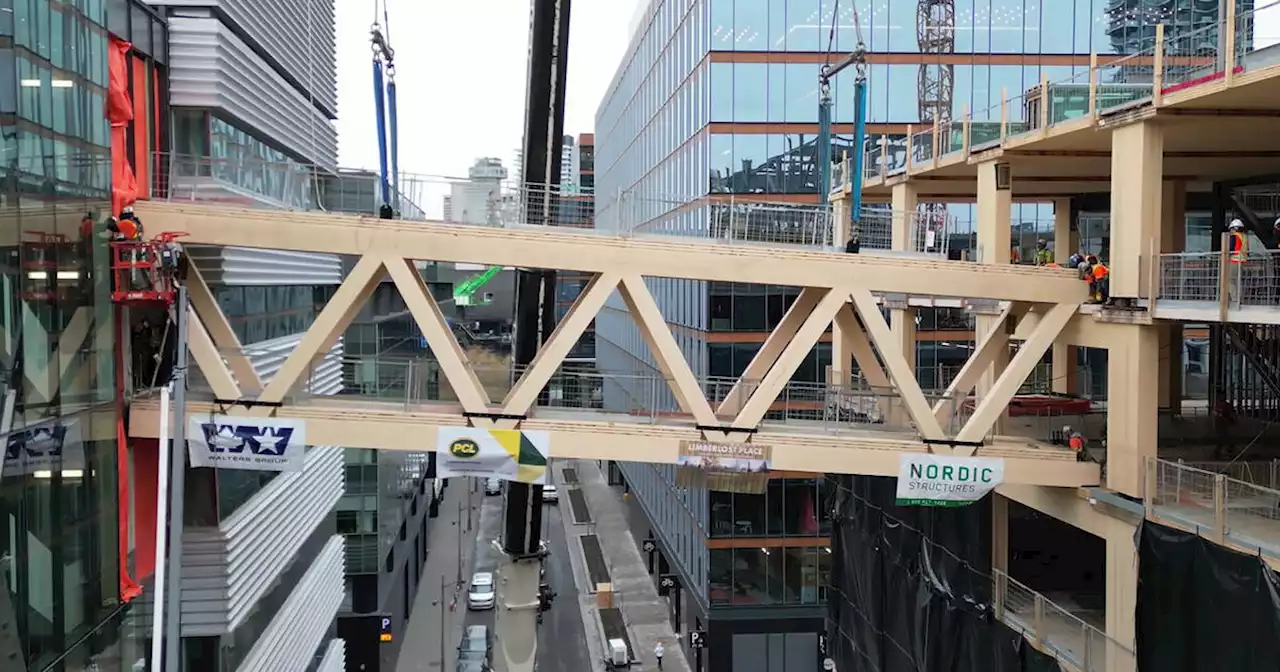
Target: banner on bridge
724 466
254 444
509 454
937 480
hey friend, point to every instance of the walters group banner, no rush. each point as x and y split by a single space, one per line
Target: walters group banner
254 444
509 454
937 480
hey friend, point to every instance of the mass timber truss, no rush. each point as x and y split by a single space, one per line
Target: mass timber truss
590 252
369 423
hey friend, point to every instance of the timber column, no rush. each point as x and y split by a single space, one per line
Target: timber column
1137 197
995 239
1066 241
1173 238
903 320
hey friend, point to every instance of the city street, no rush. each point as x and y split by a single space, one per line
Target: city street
562 643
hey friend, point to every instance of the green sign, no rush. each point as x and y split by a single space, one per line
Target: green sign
936 480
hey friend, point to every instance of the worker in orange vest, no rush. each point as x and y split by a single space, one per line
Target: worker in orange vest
1076 443
1237 242
1096 276
1237 254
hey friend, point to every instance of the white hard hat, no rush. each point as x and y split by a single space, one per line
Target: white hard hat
1235 224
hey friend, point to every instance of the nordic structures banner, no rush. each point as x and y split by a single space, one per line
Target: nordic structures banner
255 444
509 454
936 480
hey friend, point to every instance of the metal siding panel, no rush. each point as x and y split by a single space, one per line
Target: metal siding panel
246 266
290 642
297 34
211 67
266 532
335 657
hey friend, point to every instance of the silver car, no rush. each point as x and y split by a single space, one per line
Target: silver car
482 594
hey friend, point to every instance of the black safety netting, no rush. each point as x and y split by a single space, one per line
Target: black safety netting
910 587
1204 607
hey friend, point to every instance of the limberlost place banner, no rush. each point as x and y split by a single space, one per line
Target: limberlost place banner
937 480
724 467
509 454
254 444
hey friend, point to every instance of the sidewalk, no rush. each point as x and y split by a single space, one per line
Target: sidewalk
420 650
645 614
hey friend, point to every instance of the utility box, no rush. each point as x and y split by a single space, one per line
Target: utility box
618 656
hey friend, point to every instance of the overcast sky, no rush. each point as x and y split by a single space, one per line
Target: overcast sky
460 77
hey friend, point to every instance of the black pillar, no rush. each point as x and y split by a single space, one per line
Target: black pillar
535 290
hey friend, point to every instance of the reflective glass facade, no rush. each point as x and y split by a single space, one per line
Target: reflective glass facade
60 530
721 97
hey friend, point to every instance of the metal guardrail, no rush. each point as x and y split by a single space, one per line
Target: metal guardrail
1056 630
1213 502
1212 276
816 406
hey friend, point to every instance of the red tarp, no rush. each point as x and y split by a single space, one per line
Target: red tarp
124 191
124 187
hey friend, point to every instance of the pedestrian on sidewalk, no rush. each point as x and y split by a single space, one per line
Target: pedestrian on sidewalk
657 653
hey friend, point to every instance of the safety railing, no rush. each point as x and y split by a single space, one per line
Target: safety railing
1177 61
1055 630
1263 473
410 382
490 202
1215 277
1215 504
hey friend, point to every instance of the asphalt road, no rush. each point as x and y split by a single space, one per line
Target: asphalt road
562 643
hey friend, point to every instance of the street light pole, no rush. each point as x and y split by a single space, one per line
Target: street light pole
459 524
443 620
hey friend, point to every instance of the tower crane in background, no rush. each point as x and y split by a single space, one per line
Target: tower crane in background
857 60
936 34
384 101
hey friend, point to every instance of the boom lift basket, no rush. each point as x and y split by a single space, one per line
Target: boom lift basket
143 272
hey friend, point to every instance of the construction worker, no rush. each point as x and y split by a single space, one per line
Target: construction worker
1076 259
1044 255
1237 242
127 227
1096 276
1076 443
1237 254
854 245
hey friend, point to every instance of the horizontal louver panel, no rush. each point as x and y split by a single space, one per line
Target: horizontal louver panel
289 643
211 67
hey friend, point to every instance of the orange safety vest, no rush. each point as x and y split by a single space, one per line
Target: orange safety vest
1098 272
1076 442
128 229
1239 247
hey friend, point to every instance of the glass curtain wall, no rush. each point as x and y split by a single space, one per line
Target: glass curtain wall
59 529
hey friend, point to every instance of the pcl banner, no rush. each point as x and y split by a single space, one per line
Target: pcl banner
509 454
937 480
254 444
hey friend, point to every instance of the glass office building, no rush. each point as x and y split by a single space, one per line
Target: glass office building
718 99
66 540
